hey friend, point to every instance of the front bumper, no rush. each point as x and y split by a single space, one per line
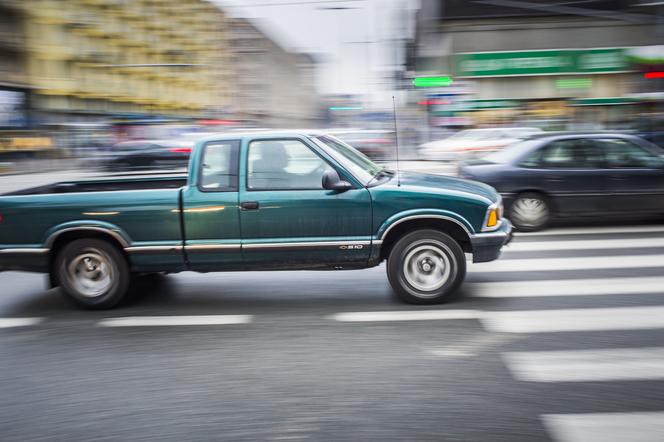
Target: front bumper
487 245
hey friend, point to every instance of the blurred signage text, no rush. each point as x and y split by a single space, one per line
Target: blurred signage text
564 61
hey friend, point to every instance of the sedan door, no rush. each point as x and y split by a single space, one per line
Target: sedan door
570 171
288 220
636 176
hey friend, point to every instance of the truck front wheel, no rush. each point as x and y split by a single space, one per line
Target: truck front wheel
93 273
426 267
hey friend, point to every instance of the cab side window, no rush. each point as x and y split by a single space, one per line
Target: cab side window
284 165
621 153
219 166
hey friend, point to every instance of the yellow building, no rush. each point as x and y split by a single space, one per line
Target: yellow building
116 57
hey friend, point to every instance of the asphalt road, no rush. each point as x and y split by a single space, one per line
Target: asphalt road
559 340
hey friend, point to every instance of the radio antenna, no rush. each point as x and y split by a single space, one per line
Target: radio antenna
396 138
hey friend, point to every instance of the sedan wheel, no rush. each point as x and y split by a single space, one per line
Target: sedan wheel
530 212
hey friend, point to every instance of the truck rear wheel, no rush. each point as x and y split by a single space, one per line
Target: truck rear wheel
426 267
93 273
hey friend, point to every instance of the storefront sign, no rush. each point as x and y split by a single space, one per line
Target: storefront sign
565 61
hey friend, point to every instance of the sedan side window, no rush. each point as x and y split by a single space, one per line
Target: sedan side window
621 153
569 154
284 165
219 166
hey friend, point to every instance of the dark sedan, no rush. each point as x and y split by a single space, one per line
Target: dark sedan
148 154
574 175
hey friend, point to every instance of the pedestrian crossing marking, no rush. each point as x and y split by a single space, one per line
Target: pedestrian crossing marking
19 322
571 263
606 427
410 315
619 364
591 244
575 320
155 321
595 230
567 287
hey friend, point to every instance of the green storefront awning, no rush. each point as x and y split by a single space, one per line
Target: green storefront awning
484 104
608 101
542 62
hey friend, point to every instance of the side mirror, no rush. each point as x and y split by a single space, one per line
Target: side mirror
332 181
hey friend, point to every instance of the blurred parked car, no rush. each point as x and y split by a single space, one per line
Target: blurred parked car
376 144
148 154
474 142
574 174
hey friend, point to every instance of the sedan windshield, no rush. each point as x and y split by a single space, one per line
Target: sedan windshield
355 161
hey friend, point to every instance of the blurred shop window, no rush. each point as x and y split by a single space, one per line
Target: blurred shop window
284 165
219 166
625 154
566 154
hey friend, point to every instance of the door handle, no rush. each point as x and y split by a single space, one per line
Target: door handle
249 205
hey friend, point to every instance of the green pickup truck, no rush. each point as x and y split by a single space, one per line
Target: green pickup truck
266 201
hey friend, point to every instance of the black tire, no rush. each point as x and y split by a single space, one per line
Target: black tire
425 253
93 273
530 212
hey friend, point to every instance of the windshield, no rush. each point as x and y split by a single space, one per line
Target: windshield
355 161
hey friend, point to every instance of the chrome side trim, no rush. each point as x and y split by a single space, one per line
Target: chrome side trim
24 251
51 239
447 218
304 244
214 247
152 248
270 245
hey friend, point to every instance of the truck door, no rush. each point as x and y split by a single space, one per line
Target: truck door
210 209
288 220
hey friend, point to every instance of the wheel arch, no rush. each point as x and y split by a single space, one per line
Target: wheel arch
59 237
460 231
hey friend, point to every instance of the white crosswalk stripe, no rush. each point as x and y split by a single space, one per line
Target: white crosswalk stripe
409 315
157 321
575 320
595 230
567 287
570 263
19 322
593 244
587 365
606 427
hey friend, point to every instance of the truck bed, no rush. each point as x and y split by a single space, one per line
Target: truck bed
106 184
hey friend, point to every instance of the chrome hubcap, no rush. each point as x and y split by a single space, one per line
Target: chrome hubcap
529 212
427 268
91 273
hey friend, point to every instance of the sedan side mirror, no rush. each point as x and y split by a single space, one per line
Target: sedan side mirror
332 181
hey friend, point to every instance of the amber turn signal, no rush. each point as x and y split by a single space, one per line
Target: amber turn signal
492 220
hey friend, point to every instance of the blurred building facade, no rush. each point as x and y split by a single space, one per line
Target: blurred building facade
537 59
14 81
91 59
271 85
